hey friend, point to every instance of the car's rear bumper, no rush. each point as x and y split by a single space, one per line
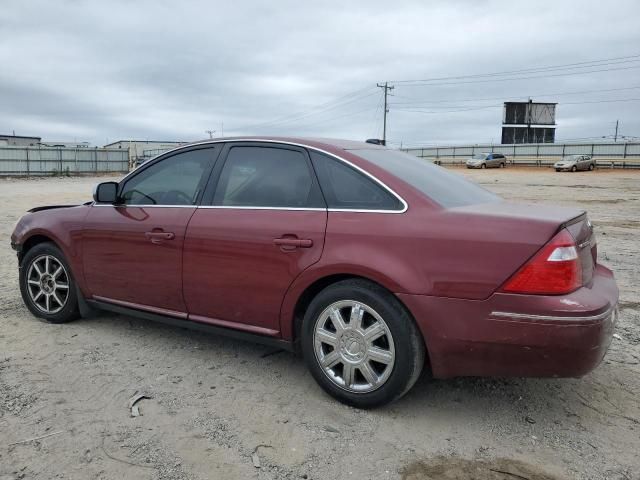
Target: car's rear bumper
519 335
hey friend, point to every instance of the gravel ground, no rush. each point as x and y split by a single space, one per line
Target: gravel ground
221 408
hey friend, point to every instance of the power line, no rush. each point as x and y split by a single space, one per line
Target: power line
417 110
518 78
321 108
429 102
587 64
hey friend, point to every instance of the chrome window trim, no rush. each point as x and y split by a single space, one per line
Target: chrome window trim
555 318
137 205
405 205
244 207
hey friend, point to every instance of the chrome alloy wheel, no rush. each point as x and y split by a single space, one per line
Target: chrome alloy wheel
354 346
48 284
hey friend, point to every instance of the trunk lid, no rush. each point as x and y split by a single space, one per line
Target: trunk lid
539 223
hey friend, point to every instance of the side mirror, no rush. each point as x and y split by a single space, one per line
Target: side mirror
106 192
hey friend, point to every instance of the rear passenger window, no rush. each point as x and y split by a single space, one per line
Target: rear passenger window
266 177
346 188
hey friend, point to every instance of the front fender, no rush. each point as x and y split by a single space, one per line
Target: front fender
63 227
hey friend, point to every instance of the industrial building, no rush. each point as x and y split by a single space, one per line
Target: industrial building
528 122
18 141
137 148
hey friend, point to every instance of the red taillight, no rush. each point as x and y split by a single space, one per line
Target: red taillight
554 270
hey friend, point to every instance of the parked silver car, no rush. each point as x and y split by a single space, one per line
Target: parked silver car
487 160
574 163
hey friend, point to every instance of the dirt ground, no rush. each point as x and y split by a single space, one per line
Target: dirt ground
224 409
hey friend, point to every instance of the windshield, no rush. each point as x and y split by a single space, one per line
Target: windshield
442 186
479 156
570 158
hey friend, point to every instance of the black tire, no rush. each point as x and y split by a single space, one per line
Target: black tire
591 167
574 169
69 310
484 165
557 169
502 165
407 340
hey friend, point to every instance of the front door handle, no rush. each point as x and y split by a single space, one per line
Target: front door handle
291 243
157 237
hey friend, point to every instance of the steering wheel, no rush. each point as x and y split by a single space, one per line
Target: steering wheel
142 194
179 194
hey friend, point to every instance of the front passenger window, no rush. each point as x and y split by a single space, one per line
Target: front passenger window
172 181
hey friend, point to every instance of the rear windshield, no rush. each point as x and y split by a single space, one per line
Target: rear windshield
442 186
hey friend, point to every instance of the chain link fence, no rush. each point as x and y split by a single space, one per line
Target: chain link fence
43 161
612 154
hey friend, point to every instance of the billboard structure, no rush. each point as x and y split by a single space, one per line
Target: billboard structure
528 122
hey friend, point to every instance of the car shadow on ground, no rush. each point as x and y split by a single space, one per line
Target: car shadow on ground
530 400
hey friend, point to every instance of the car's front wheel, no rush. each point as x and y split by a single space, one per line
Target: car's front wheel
46 284
574 169
591 166
361 345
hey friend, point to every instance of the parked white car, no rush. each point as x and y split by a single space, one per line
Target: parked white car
574 163
487 160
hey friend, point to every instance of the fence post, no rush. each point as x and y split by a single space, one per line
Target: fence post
454 153
422 154
538 150
27 151
437 152
95 160
60 160
624 153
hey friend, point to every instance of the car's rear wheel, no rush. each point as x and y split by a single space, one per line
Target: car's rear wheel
557 169
574 169
502 165
361 345
46 284
484 165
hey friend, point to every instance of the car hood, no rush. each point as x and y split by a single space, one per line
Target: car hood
51 207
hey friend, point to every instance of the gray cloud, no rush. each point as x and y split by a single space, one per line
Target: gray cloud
171 70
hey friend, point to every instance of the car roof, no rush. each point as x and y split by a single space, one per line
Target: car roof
331 143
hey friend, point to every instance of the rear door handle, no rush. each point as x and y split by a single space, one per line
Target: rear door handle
157 237
289 243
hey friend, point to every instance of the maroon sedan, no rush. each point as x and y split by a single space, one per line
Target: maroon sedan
369 261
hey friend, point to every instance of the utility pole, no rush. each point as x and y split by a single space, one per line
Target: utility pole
615 138
210 132
386 110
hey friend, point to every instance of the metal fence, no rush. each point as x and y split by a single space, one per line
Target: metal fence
611 154
38 161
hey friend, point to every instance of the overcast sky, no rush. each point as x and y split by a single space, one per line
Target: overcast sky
101 71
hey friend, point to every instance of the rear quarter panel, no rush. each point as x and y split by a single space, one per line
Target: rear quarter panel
423 251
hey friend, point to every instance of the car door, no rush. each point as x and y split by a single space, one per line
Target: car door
262 223
132 251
